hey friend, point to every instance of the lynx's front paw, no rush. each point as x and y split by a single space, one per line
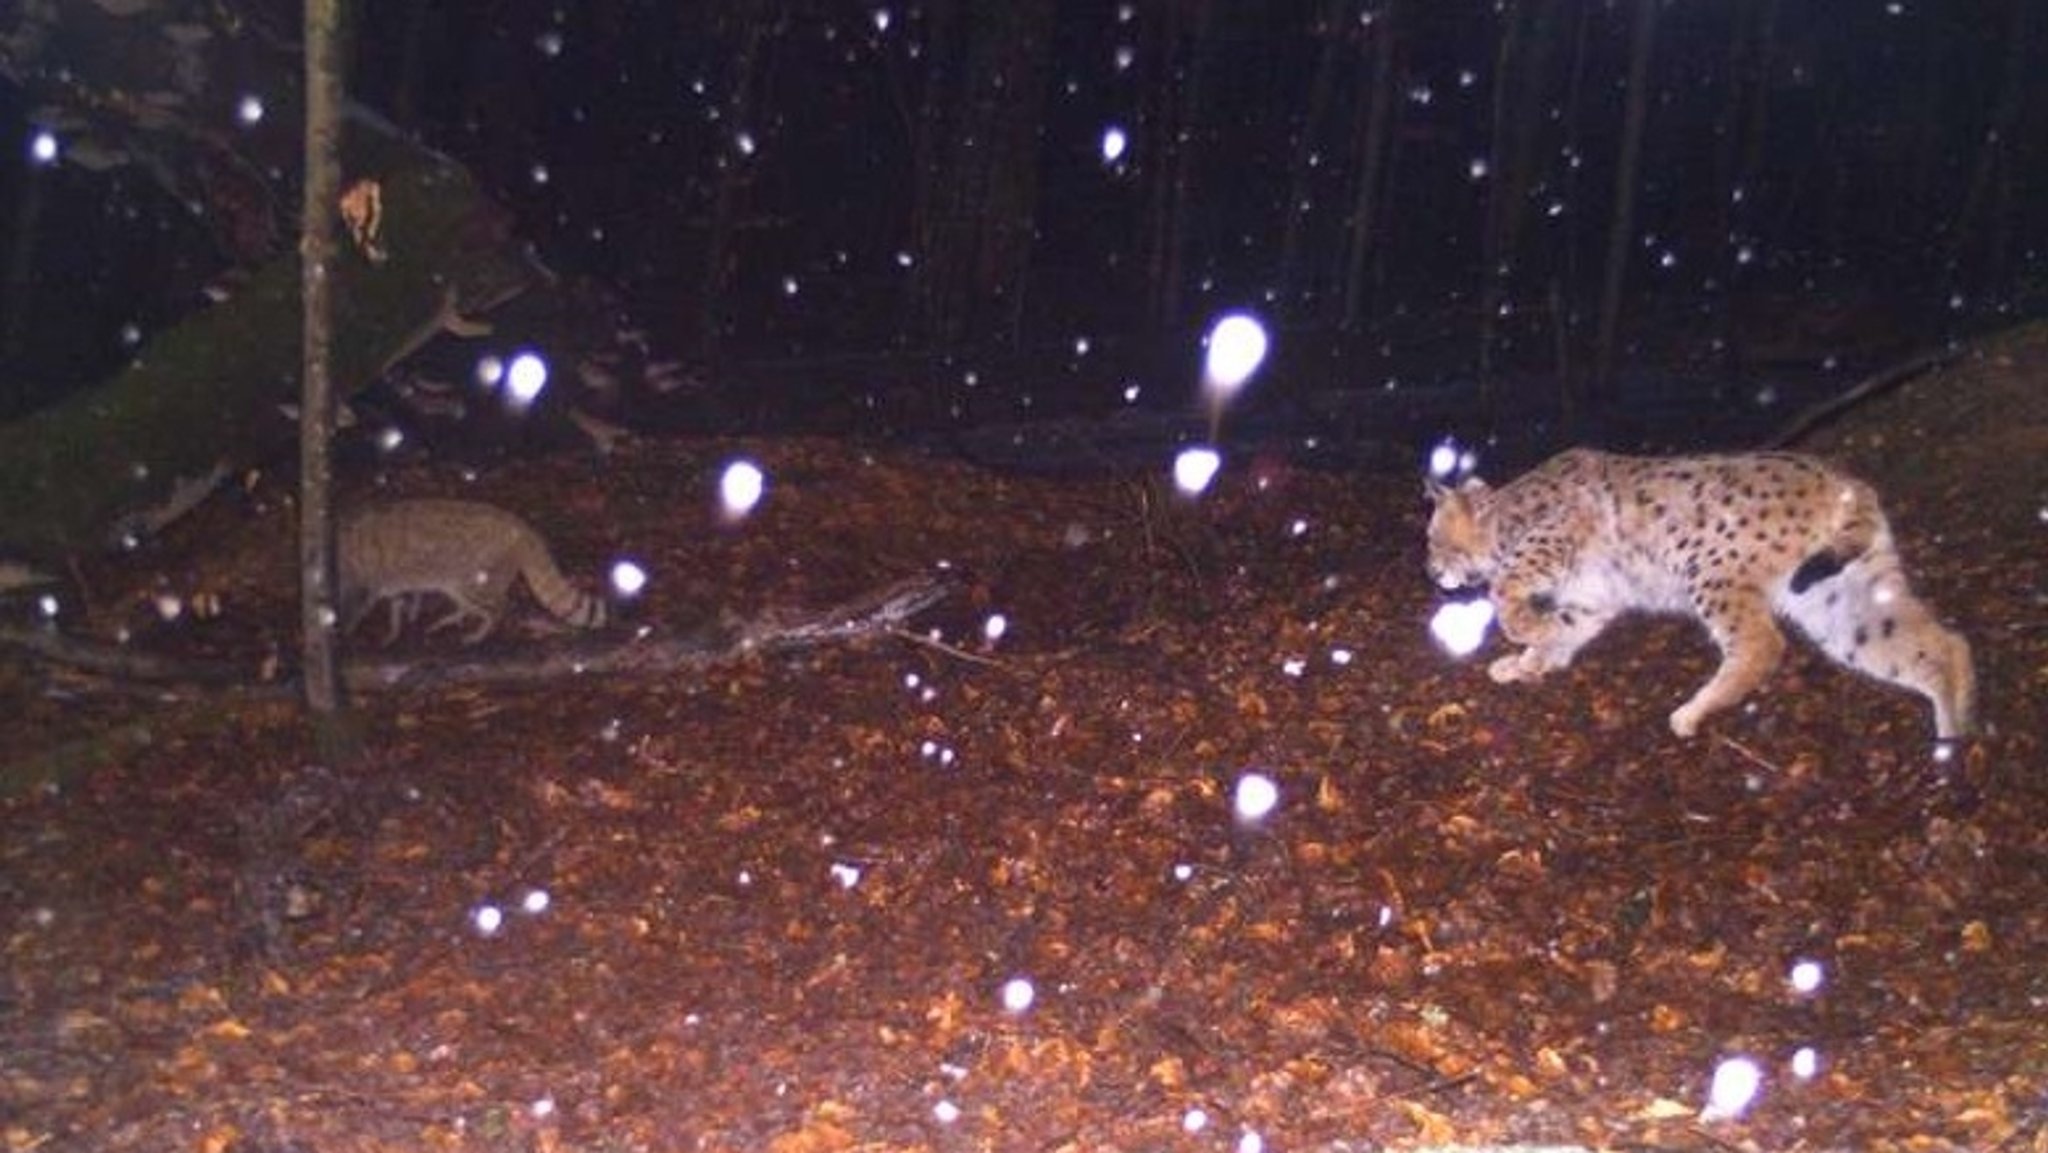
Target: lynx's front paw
1685 720
1521 666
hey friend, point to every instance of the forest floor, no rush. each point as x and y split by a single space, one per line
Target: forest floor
792 902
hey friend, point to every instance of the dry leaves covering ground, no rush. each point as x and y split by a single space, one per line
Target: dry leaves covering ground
784 900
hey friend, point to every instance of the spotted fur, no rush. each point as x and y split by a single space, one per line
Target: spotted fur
1736 542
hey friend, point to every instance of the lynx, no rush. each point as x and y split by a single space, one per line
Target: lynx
466 551
1732 541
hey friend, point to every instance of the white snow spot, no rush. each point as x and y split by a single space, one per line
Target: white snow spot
881 17
1806 977
535 902
490 370
1114 141
1459 627
1194 468
48 605
1734 1089
1194 1120
1251 1142
945 1112
487 919
1294 666
627 578
994 627
1237 345
42 147
249 110
525 379
847 875
740 488
1255 797
1805 1062
1018 994
542 1108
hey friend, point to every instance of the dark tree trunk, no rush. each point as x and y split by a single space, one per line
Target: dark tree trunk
977 200
752 23
1371 156
1174 99
1298 288
1621 227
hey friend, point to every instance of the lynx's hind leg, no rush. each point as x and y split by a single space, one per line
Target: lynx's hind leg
1750 645
1869 620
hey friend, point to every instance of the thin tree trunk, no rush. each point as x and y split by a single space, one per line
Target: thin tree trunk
1297 287
1372 164
1621 230
734 168
1975 221
317 593
1178 85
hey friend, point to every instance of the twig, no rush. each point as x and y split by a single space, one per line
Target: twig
950 650
1751 755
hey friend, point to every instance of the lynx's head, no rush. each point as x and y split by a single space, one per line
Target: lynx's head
1461 534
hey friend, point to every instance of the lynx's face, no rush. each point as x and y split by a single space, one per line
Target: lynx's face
1461 538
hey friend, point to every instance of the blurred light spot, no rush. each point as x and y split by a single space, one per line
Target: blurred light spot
48 605
390 438
488 919
1237 344
1082 345
525 378
994 627
1255 797
1194 1120
847 875
131 335
249 110
1251 1142
1194 468
1478 167
42 147
1294 666
538 174
1183 873
1733 1090
789 286
628 579
1340 656
1806 977
549 43
490 369
740 488
535 902
168 606
1459 627
1805 1062
945 1112
744 141
881 17
1018 994
542 1108
1113 144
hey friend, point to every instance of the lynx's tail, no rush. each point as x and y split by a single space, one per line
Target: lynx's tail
1859 529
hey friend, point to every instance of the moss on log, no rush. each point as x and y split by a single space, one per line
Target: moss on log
206 396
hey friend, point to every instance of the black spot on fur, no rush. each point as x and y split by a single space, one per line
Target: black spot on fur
1862 636
1815 569
1889 627
1542 602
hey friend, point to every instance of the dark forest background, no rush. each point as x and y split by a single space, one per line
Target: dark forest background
1413 189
